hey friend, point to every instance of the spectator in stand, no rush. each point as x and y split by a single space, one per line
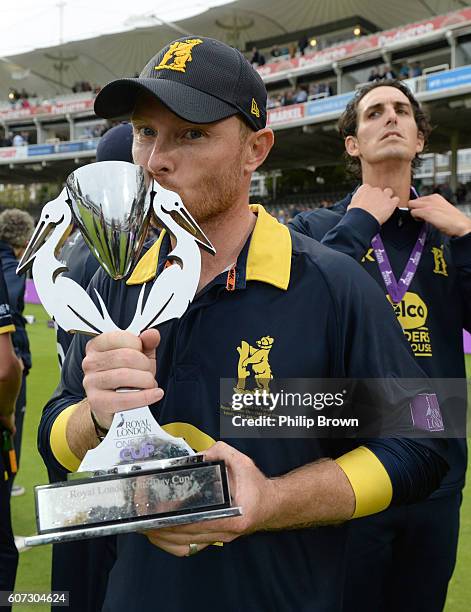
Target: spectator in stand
19 140
302 44
257 59
404 72
374 75
301 95
446 192
281 216
416 70
287 98
324 88
273 102
275 51
386 72
8 140
16 228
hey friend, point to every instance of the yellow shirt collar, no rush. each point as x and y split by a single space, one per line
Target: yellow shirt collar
268 259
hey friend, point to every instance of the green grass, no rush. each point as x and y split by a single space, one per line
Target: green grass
34 567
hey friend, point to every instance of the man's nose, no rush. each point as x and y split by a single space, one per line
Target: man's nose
391 115
161 159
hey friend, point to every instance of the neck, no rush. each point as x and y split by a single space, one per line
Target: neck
395 174
228 233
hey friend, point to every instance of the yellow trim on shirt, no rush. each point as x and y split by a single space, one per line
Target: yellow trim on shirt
194 437
7 328
59 445
146 267
269 256
268 259
369 479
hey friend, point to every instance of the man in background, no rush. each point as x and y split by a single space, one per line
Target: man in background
418 249
10 381
16 228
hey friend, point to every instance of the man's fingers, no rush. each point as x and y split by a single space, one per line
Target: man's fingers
209 531
417 203
205 539
97 361
114 340
150 341
109 402
111 380
418 213
179 550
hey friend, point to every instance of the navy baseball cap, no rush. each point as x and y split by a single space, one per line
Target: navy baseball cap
116 144
199 79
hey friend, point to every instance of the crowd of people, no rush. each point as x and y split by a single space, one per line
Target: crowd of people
20 99
298 95
407 70
82 86
258 58
17 139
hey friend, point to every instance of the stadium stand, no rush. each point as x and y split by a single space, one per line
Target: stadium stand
309 81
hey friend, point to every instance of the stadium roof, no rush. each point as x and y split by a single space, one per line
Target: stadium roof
102 58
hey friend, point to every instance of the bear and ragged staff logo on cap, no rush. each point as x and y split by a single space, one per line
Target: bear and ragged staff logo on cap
180 53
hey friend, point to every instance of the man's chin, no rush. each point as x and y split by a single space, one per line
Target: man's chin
394 154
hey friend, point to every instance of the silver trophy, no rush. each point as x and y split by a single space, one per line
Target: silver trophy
139 477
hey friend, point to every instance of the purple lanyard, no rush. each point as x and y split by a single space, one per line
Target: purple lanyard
397 289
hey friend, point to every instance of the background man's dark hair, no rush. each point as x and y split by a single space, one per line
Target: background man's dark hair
348 121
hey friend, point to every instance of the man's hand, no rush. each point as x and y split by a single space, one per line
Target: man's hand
120 359
8 422
380 203
434 209
250 489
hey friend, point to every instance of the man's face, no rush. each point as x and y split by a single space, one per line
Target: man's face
386 128
202 163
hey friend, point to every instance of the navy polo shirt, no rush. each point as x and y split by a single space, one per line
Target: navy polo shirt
282 280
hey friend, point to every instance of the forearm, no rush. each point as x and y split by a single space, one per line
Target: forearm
314 494
10 383
353 234
80 431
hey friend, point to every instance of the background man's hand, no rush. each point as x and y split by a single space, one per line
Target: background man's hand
8 422
434 209
380 203
120 359
250 489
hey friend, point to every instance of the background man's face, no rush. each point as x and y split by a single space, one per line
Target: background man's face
202 163
386 130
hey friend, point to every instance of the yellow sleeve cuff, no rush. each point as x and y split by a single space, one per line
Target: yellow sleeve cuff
369 480
7 329
59 445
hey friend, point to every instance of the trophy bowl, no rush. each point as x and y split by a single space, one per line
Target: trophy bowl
111 203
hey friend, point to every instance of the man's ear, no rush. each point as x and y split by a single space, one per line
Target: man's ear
257 146
351 146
